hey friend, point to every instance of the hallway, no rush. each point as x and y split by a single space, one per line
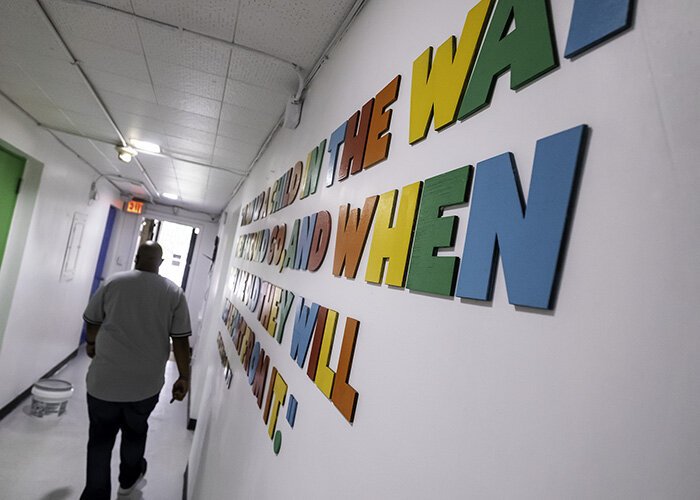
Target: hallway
45 459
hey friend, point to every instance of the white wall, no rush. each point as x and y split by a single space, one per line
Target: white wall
42 316
597 399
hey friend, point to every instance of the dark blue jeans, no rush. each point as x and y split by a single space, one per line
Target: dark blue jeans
106 419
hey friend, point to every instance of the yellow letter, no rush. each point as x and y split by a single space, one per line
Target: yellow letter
439 85
324 375
393 243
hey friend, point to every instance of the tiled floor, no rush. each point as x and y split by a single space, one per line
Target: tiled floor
45 459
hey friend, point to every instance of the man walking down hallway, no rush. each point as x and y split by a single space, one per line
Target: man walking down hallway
131 320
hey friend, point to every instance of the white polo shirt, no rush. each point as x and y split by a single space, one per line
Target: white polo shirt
137 312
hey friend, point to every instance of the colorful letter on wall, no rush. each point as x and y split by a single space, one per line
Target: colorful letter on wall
304 322
351 236
378 140
528 51
530 241
594 21
391 243
428 272
344 395
438 82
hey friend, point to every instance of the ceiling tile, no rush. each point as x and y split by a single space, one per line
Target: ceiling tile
292 30
249 117
253 97
104 81
191 134
241 132
187 80
96 24
93 153
102 57
263 71
140 127
118 103
22 26
190 148
93 126
159 163
39 67
185 49
72 97
211 17
188 102
124 5
228 158
232 145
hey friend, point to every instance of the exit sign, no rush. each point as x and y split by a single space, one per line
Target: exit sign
134 207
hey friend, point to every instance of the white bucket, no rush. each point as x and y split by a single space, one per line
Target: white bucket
50 397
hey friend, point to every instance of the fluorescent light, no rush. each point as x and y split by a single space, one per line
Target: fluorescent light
145 146
170 196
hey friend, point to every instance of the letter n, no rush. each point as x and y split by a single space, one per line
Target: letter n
530 242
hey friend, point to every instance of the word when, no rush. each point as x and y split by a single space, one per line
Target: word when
458 79
528 240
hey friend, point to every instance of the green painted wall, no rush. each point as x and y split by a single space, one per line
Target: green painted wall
11 169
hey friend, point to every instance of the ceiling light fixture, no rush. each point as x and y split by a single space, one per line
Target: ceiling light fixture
145 146
126 153
170 196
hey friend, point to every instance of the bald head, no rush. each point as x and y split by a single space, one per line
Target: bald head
149 257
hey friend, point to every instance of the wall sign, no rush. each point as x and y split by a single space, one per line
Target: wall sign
409 228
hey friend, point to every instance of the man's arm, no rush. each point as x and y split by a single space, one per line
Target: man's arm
92 330
181 350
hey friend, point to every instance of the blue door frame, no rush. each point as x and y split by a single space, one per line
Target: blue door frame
101 259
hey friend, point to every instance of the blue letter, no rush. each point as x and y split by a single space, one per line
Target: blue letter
594 21
530 243
304 323
337 138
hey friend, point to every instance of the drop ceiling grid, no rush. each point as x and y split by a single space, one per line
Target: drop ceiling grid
183 48
240 132
253 97
122 85
93 126
245 149
90 152
249 117
124 5
95 24
108 59
297 31
199 136
263 71
187 102
212 17
22 26
184 79
190 148
71 97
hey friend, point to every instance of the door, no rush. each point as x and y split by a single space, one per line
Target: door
11 170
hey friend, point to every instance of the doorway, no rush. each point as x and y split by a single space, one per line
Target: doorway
178 241
11 170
